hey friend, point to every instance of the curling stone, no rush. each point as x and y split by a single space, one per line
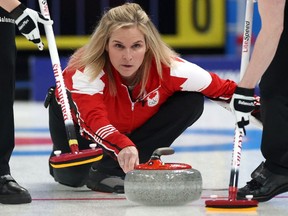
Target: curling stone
156 183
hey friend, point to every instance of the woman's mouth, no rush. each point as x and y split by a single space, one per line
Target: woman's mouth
127 66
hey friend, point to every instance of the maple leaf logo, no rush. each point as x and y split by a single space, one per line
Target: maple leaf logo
153 99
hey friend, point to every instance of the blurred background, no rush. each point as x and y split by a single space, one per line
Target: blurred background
206 32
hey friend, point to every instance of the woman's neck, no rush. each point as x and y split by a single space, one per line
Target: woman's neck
131 81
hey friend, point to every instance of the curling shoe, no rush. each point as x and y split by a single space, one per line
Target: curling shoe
98 181
264 185
11 192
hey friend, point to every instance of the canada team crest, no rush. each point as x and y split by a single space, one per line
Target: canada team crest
153 99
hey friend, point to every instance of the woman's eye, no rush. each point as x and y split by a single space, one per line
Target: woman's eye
136 45
119 46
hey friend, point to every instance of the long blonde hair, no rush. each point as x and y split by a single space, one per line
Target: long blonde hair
94 55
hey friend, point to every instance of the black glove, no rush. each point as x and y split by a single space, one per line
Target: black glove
27 22
242 104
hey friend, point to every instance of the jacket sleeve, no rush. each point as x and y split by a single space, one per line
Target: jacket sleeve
222 89
187 76
91 112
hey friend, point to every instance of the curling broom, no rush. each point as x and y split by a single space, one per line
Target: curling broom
76 157
232 202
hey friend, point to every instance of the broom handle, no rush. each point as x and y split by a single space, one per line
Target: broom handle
60 85
236 158
239 132
247 36
245 54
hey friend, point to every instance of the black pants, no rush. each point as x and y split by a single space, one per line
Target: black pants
179 112
7 85
274 107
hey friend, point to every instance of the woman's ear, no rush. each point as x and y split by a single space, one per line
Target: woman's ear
147 48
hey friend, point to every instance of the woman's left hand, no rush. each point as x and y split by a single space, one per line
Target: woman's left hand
128 158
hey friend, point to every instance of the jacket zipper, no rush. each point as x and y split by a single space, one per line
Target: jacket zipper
133 103
132 108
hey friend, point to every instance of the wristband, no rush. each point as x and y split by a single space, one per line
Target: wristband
18 11
244 91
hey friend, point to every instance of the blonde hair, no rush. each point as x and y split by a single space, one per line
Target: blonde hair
94 55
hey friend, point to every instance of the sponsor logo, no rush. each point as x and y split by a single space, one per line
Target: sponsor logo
241 102
45 9
153 99
59 86
23 24
247 37
7 20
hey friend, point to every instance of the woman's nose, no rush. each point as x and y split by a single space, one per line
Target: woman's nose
127 55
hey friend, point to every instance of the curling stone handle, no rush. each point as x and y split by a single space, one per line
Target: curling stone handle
162 151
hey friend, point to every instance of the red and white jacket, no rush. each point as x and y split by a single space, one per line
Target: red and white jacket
106 119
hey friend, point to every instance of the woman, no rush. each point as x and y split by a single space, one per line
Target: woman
131 94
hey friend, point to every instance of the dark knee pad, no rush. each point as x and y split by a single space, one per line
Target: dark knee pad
75 176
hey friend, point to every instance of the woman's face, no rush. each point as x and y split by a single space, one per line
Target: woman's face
126 49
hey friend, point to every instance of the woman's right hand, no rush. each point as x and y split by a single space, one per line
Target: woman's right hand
128 158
